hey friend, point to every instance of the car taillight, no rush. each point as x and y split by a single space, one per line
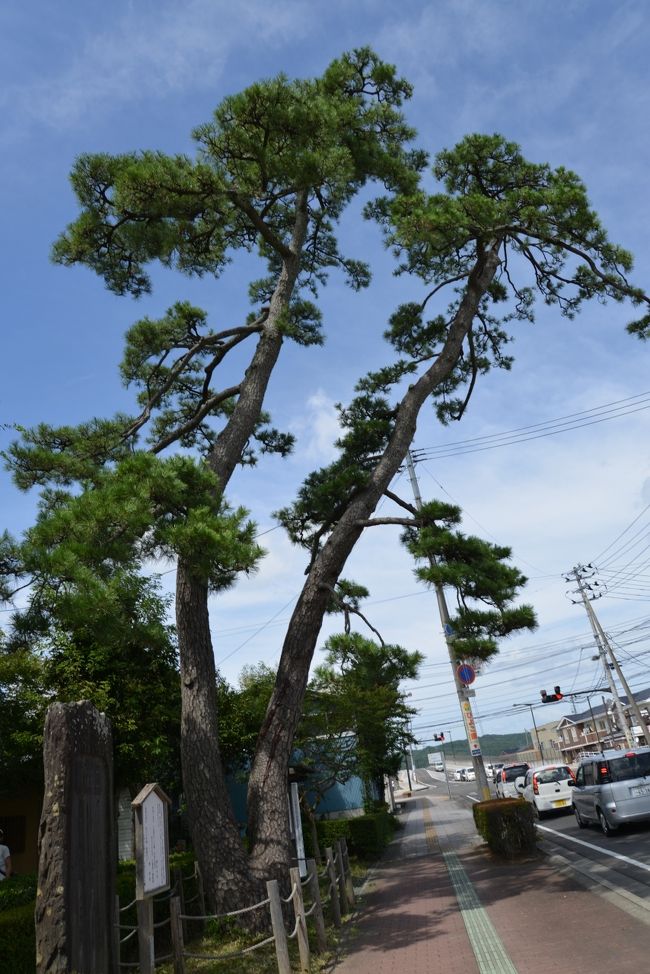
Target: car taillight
535 785
503 776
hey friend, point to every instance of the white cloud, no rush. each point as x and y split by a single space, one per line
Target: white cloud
317 429
149 53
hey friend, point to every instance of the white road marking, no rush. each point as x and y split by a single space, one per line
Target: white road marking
597 848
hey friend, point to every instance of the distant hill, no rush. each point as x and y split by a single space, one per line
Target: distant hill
492 746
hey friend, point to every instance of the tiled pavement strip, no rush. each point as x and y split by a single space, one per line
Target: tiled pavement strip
425 909
491 955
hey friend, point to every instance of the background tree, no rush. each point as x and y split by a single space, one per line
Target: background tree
477 571
359 686
117 651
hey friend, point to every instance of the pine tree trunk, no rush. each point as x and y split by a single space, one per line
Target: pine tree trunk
227 877
268 825
215 835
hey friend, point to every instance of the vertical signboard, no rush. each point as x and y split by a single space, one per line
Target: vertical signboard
151 842
296 823
470 727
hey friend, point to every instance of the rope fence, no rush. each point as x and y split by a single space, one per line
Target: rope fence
339 896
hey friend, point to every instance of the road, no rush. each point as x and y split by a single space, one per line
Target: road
622 861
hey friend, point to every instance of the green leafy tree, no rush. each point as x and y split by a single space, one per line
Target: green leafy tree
477 571
359 684
117 651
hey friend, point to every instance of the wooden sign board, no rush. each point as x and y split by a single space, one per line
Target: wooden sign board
150 807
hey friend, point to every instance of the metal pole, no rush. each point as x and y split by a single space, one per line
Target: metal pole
600 745
601 642
539 743
465 706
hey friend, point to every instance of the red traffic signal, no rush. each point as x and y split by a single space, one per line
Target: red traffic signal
551 697
438 737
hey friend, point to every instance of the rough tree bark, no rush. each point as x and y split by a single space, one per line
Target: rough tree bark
227 879
267 805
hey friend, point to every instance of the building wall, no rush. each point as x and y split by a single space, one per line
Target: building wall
19 819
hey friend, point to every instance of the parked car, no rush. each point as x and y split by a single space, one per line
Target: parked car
496 768
548 788
507 778
612 789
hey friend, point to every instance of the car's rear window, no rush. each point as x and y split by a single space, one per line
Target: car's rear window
516 771
629 766
549 775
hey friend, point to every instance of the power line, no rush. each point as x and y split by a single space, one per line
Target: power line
588 417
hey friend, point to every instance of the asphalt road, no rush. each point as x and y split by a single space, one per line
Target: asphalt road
622 860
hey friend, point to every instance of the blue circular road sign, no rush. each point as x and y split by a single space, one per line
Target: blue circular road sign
466 673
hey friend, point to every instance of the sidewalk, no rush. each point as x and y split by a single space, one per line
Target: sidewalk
439 901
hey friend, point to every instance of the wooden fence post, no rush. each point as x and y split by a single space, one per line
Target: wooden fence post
349 885
177 883
117 933
319 920
277 922
145 935
301 920
345 907
178 943
200 924
334 893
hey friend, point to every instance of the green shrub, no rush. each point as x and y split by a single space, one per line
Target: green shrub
17 891
507 825
17 940
366 835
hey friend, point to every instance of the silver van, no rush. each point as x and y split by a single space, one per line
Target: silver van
612 789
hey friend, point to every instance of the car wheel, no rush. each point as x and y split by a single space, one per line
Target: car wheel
536 812
579 819
605 824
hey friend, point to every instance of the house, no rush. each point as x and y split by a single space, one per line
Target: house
598 727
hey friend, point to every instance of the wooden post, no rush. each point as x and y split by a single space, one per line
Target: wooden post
277 922
177 883
178 942
145 935
301 920
200 924
345 907
117 932
319 920
349 885
75 908
334 892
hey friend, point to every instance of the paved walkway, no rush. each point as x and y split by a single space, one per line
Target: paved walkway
439 901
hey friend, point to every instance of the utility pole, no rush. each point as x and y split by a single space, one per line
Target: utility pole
463 699
579 573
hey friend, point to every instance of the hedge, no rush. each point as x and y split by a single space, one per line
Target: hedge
17 896
366 835
17 940
507 825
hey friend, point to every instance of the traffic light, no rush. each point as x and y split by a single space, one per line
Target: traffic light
551 697
438 737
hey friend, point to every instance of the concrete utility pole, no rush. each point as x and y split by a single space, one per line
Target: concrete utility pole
461 689
579 573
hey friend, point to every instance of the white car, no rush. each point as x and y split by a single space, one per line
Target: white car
458 774
507 779
470 774
549 788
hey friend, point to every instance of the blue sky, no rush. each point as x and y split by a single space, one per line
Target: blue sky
568 81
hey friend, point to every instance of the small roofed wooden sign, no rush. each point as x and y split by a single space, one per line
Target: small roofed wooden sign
151 841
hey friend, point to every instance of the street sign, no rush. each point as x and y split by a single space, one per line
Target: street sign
466 673
449 629
466 692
